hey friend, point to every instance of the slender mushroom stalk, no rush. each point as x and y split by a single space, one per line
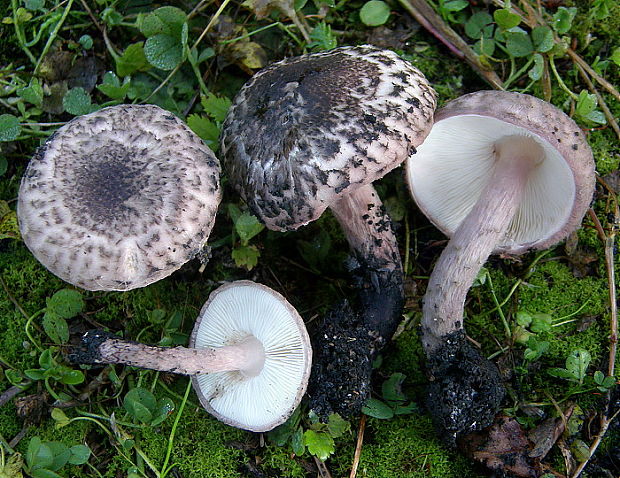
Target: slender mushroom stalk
249 356
246 356
476 238
313 132
368 230
499 172
119 198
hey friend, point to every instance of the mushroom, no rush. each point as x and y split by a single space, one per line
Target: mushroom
249 356
313 132
119 198
500 172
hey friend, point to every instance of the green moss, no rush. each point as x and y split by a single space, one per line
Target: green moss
404 447
201 446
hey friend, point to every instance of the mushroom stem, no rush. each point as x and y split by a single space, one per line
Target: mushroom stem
475 239
247 355
378 271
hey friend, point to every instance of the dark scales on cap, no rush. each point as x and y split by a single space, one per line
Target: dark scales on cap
300 123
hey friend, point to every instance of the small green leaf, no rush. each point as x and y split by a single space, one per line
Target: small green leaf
38 455
480 25
541 323
9 127
71 377
455 5
44 473
319 444
391 389
215 107
562 373
377 409
56 328
563 19
524 318
208 131
61 455
13 376
246 256
34 4
86 41
111 17
599 377
164 51
167 20
32 93
205 55
112 87
580 450
543 39
66 303
140 403
77 102
60 418
132 60
505 19
519 44
79 454
165 406
247 226
34 374
615 56
337 426
297 442
485 46
577 363
535 73
374 13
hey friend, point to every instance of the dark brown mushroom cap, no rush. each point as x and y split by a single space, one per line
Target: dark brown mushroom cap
307 130
557 195
119 198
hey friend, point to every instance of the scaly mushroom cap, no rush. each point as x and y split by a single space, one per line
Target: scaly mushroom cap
307 130
453 165
256 402
119 198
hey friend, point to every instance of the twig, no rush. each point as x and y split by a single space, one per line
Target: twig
322 468
599 79
358 447
9 393
608 240
429 19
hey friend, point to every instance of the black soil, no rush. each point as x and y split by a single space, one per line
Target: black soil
342 364
466 389
350 338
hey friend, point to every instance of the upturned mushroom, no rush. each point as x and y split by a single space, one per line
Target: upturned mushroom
313 132
499 172
119 198
249 356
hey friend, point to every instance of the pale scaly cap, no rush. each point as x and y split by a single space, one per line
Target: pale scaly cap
233 313
454 163
119 198
307 130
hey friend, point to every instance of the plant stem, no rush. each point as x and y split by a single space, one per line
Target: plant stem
165 469
53 36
